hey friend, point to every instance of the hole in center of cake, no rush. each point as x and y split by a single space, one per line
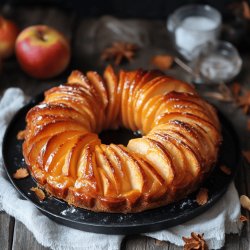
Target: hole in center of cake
118 136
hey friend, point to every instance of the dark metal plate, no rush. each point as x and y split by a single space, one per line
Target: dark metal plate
109 223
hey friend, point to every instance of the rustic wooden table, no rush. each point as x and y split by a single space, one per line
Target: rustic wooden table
13 234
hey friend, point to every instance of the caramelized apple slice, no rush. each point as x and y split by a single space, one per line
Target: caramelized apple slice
154 183
153 153
123 182
182 107
51 129
78 77
104 164
189 136
32 156
131 93
107 185
191 119
98 83
142 97
59 185
147 77
120 86
129 78
133 170
176 156
148 112
53 161
71 162
87 168
193 136
57 110
111 85
192 162
194 99
78 106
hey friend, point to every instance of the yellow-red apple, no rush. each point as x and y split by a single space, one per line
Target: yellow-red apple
8 35
42 51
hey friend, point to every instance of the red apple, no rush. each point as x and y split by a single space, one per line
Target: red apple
8 35
42 51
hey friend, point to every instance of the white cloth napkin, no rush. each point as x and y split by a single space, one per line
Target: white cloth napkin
221 219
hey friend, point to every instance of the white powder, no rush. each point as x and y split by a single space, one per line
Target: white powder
217 68
194 31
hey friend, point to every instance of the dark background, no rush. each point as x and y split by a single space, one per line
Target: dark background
151 9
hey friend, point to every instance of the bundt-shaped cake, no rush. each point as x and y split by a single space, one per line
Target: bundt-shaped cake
178 148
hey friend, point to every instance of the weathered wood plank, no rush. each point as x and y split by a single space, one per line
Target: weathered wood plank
23 239
137 242
6 231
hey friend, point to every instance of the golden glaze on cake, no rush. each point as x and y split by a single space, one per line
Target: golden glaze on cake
181 136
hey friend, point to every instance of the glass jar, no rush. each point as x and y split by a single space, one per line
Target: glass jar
193 25
216 62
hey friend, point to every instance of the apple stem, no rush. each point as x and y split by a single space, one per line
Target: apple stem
40 35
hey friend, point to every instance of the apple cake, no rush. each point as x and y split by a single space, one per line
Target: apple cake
178 148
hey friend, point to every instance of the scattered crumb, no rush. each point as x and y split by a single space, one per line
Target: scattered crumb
196 241
245 202
21 173
21 135
202 196
243 218
225 169
162 62
39 193
246 155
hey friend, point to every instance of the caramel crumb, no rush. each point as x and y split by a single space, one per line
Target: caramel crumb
202 196
21 173
245 202
196 241
162 62
21 135
225 169
243 218
39 193
246 155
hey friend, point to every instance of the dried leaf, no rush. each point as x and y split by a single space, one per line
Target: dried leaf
246 155
21 135
21 173
162 62
225 169
243 218
39 193
245 202
119 51
196 241
202 196
246 9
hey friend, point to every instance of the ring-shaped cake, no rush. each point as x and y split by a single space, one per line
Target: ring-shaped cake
177 150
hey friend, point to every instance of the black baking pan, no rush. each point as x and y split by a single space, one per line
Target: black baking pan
110 223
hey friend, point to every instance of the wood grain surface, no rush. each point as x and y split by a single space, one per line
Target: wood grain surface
13 234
